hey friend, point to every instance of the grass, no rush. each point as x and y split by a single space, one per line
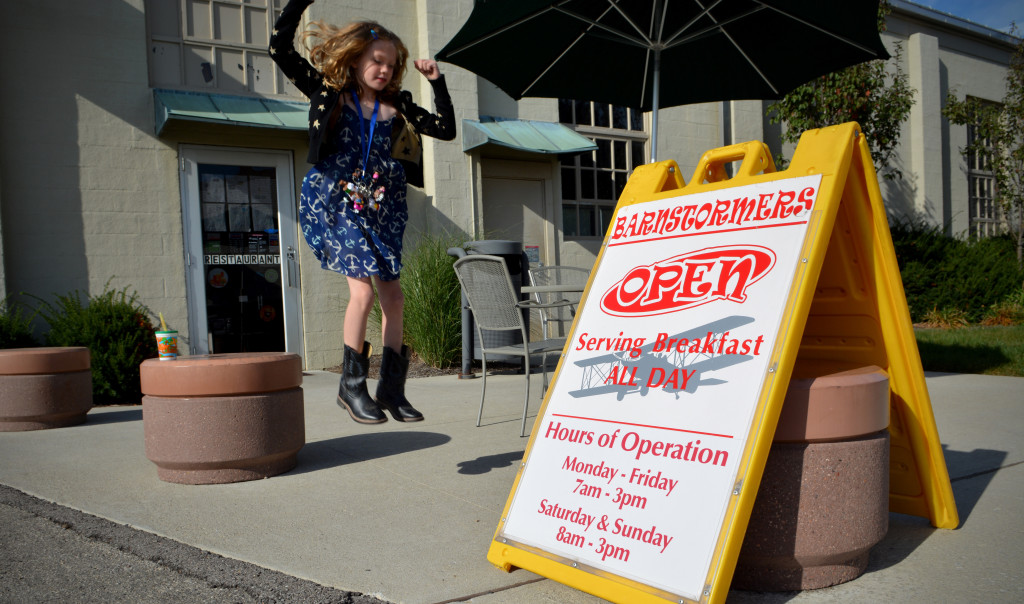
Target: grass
986 350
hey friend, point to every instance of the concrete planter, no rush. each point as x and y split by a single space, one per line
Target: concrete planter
44 388
223 418
823 502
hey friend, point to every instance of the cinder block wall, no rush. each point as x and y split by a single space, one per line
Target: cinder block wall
90 196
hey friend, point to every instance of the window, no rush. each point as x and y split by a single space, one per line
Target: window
214 46
592 181
984 211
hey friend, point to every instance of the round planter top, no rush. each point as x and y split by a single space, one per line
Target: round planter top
221 374
36 361
830 400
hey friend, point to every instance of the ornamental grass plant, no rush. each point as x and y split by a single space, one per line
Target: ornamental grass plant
433 314
1010 311
948 318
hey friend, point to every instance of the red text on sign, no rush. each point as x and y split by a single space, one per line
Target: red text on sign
689 280
714 215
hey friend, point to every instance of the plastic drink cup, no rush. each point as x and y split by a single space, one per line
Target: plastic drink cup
167 344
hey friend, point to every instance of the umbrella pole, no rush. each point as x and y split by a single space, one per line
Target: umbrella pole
654 105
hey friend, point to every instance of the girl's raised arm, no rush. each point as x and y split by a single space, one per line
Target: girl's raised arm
282 49
440 125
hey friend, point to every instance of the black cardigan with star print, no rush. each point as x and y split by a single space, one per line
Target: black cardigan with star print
323 99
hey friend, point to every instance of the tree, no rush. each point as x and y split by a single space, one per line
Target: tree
999 141
875 94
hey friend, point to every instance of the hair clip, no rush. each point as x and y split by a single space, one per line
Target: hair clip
373 32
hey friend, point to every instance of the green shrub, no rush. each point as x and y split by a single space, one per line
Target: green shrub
116 328
15 327
983 275
921 251
943 272
433 298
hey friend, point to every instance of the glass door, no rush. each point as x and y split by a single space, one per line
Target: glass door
240 243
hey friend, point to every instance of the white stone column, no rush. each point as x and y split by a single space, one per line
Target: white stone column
925 129
448 171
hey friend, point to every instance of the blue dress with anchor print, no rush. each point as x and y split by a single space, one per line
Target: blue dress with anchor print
355 243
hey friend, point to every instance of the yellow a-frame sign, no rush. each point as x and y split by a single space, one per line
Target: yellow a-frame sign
643 465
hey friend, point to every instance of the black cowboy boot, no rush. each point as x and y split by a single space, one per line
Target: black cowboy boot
391 387
352 394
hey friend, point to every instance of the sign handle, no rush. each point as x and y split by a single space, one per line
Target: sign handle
756 158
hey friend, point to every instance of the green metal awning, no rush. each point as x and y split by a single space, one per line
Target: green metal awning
523 135
173 105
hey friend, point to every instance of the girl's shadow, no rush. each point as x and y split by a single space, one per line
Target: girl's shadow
324 454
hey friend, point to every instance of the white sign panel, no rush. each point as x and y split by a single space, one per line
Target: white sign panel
637 454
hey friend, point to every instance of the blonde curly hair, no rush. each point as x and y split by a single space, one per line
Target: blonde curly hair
335 50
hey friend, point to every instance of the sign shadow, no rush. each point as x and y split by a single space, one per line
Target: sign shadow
486 463
972 472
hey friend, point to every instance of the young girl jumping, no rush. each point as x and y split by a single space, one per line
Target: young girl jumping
352 206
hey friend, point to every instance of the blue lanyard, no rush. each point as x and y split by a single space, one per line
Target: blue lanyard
362 129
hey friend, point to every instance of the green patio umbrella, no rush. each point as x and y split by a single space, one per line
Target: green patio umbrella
661 53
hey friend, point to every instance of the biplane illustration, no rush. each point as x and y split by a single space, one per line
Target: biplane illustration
675 371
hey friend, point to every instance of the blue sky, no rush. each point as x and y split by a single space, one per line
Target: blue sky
996 14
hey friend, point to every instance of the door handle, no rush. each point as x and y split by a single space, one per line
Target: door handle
290 256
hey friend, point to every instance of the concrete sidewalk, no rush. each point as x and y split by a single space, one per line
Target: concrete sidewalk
406 512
